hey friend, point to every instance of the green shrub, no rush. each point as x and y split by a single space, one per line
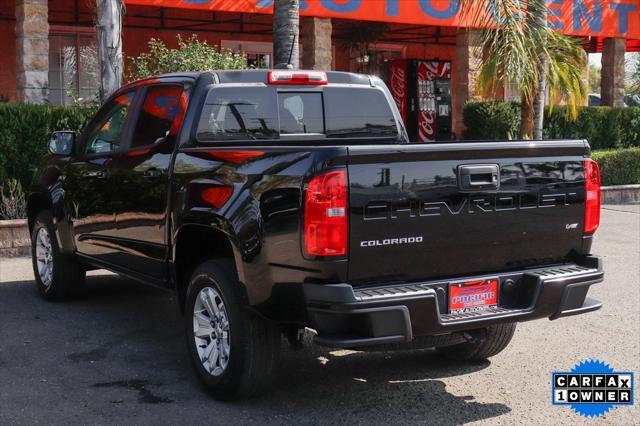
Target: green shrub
491 120
603 127
24 133
190 55
620 166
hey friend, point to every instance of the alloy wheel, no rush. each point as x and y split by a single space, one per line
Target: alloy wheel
211 331
44 256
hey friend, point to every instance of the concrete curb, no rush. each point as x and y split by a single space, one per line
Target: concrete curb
621 194
14 238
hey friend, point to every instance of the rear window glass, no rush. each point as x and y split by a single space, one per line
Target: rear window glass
259 113
300 113
237 114
358 112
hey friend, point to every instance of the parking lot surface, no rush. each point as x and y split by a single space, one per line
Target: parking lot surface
117 356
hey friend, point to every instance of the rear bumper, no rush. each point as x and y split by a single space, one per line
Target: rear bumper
356 317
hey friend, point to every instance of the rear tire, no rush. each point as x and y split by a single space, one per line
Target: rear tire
234 352
58 276
494 339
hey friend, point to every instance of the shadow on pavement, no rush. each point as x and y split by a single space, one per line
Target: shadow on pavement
123 338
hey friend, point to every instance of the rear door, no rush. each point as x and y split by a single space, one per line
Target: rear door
140 197
445 210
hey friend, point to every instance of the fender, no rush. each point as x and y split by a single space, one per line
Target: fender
207 224
47 192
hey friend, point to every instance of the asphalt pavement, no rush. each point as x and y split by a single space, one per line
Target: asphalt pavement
117 356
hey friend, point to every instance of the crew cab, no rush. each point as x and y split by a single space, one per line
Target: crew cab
277 201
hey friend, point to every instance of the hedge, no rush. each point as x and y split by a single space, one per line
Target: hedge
603 127
620 166
491 120
24 132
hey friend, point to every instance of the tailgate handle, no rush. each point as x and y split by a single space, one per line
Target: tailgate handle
478 176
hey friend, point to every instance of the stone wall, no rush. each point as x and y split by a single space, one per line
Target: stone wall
316 43
612 83
467 66
14 238
32 51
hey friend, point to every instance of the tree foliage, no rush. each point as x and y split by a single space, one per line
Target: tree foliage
521 47
635 75
191 54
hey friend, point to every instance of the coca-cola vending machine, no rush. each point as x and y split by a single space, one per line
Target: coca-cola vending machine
422 91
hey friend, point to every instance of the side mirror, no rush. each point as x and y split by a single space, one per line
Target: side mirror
62 143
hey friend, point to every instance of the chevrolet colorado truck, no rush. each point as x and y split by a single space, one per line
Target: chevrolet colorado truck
274 201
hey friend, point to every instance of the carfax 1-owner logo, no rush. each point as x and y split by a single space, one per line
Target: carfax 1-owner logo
592 388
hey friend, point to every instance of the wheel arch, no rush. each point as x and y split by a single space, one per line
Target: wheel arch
36 202
196 243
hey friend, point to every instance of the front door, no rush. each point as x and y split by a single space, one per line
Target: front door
89 179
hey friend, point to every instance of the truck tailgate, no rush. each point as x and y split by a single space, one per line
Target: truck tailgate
443 210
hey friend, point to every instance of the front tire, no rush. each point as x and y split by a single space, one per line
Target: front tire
234 352
493 340
58 276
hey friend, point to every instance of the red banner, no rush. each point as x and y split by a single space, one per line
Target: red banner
601 18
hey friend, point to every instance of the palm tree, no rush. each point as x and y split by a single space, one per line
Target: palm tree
286 23
109 25
522 48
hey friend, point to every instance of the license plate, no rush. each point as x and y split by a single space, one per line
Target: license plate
472 296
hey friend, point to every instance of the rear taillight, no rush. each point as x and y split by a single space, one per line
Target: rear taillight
592 204
325 214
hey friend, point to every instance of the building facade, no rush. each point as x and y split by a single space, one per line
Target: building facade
50 47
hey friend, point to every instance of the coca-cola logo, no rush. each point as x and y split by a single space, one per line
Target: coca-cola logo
425 127
398 77
432 70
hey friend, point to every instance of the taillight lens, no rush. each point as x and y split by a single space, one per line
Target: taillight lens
325 214
592 204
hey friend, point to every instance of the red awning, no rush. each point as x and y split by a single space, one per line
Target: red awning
595 18
594 45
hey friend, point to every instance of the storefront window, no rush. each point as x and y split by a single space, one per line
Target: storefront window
73 68
376 59
259 54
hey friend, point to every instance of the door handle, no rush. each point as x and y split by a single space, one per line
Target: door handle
479 176
98 174
152 173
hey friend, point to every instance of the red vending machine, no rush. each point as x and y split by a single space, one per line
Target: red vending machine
422 91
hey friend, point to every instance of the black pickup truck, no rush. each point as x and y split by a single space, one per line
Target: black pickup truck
274 201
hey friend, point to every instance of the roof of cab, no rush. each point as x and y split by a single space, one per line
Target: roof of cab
261 76
247 76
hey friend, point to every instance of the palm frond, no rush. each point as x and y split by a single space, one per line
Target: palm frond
516 41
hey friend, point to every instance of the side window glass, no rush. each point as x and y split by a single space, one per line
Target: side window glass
107 134
238 114
300 113
160 108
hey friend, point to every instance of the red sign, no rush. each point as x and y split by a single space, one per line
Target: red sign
601 18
